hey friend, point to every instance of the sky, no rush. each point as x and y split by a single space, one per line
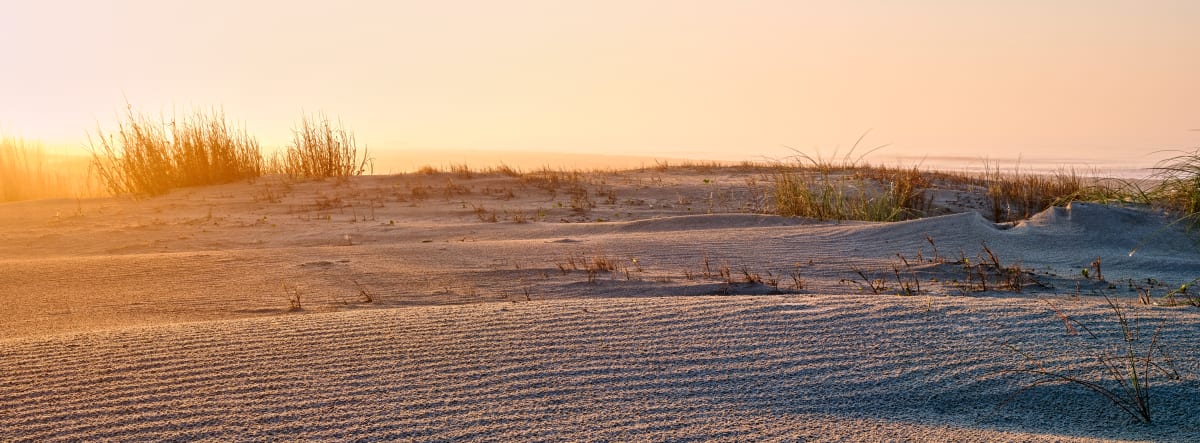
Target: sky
1068 81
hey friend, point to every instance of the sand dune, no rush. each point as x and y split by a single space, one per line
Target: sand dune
169 318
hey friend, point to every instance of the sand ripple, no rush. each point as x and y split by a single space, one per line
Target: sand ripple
681 368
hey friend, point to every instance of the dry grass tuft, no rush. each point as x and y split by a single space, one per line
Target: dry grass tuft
26 173
148 157
463 171
504 169
322 149
22 169
1128 362
827 188
811 192
1019 195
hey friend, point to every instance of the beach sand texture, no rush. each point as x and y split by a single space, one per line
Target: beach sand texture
702 319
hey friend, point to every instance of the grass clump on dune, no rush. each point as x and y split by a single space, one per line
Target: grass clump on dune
148 157
1179 186
26 172
830 197
1019 195
821 188
850 189
321 149
22 170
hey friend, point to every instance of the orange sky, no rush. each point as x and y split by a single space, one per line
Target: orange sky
1068 80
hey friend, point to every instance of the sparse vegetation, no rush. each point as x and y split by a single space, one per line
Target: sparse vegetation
485 215
875 283
293 297
364 295
986 273
852 189
908 283
1129 365
1185 293
462 171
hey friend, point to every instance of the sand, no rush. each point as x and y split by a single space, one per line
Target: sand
420 319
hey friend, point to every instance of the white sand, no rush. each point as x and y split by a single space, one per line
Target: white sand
153 320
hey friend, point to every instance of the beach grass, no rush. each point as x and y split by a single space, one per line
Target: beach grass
1129 366
829 197
1179 186
829 188
144 156
1018 195
22 169
28 172
322 148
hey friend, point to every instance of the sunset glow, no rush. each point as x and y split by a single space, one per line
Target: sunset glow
1076 81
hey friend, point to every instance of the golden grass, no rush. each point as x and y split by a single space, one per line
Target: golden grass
27 173
144 156
847 189
830 197
148 157
1018 195
322 149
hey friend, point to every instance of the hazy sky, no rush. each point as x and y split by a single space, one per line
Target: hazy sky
1077 80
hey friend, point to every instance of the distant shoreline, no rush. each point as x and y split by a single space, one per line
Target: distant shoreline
398 161
394 161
